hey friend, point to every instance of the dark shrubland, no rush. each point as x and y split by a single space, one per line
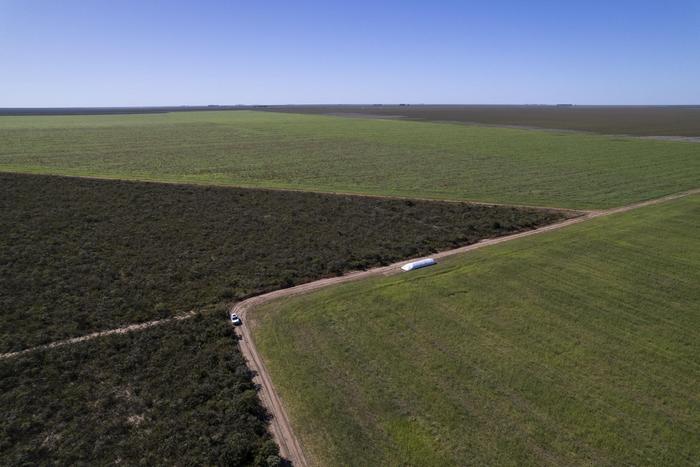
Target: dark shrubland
176 394
78 255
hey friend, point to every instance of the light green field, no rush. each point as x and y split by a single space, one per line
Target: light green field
576 347
433 160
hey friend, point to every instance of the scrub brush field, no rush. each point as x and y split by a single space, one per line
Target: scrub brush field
322 153
177 394
79 256
575 347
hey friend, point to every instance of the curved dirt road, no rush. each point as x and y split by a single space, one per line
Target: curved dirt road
280 426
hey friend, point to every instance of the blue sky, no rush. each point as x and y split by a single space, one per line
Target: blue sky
152 52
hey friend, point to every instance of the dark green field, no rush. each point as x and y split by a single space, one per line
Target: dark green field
576 347
368 156
177 394
615 120
80 255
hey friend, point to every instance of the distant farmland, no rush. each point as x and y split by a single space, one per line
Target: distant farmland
319 153
616 120
578 347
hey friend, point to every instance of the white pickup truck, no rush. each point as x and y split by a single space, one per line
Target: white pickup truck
235 320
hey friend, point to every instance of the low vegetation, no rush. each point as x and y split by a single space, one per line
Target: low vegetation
77 255
177 394
578 347
679 120
321 153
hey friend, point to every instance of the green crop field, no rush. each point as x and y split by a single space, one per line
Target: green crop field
320 153
577 347
640 120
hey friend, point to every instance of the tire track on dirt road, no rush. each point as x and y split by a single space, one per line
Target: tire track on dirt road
280 425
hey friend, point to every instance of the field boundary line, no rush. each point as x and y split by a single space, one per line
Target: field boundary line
95 335
280 426
192 183
474 123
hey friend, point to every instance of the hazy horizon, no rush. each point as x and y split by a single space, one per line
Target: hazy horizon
336 104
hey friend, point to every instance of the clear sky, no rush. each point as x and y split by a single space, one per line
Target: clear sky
168 52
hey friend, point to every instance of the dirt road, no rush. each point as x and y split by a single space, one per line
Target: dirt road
95 335
280 426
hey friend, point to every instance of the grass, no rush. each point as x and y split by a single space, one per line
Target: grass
320 153
577 347
636 120
77 256
177 394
